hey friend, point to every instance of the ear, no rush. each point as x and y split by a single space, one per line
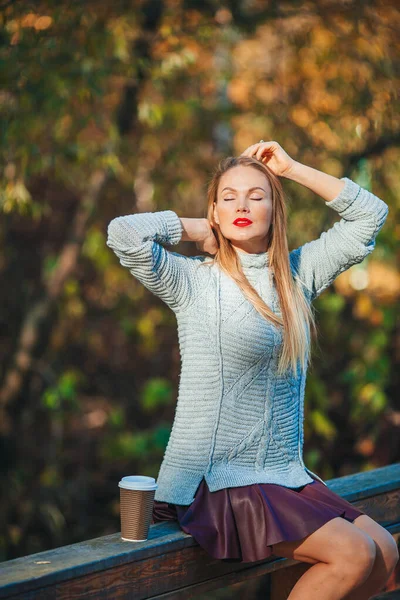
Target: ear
215 213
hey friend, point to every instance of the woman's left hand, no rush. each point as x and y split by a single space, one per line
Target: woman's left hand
273 155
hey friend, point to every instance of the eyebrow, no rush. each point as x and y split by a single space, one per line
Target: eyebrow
250 189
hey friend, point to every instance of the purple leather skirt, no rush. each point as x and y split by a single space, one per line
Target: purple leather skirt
240 524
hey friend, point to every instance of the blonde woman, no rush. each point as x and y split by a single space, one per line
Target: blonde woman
233 473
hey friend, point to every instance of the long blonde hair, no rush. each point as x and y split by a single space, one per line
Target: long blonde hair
297 313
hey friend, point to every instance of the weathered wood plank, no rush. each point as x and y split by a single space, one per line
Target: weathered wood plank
183 574
170 563
384 508
365 484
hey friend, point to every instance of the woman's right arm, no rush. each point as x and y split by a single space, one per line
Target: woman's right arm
138 240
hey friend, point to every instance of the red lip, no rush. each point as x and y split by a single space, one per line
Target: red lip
242 222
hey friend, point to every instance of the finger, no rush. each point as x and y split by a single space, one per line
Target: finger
247 152
260 152
250 150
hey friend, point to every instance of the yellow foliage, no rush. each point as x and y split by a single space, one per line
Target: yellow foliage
363 306
322 425
28 20
367 392
238 92
38 22
301 116
265 92
223 16
379 283
323 135
324 39
384 282
74 308
43 23
365 446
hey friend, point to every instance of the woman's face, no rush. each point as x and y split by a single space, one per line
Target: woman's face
244 193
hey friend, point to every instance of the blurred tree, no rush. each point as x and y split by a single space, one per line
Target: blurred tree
111 108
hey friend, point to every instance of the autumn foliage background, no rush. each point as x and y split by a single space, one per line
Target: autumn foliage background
109 108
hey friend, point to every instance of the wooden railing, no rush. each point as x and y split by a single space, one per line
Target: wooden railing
170 564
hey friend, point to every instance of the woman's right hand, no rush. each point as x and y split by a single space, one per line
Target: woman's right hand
208 243
201 232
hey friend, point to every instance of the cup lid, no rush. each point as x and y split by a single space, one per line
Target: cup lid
138 482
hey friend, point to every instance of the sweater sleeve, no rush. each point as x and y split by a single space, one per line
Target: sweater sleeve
347 242
138 241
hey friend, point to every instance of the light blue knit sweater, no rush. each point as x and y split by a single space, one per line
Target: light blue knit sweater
236 422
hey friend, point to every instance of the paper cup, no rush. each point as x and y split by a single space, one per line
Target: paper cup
136 506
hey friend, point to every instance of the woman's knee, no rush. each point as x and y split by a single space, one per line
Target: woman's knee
357 558
386 546
389 555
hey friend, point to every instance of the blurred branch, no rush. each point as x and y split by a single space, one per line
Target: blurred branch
7 4
127 114
32 324
375 148
250 20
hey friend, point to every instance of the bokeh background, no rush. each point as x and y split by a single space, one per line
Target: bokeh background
110 108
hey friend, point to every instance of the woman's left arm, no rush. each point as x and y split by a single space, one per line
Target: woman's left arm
348 241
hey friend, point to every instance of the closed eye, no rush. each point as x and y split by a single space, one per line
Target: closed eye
250 198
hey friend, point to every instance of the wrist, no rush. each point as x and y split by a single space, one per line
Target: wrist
326 186
294 172
194 230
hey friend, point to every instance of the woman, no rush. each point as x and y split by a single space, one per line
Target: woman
233 473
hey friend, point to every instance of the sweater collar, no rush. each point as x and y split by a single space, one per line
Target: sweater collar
257 261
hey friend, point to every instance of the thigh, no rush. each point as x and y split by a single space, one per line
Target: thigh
335 538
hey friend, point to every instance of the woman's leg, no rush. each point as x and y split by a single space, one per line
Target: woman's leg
342 556
387 556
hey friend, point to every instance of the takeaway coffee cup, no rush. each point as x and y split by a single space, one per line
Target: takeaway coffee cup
136 494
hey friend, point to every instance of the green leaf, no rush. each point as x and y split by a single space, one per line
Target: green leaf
156 393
